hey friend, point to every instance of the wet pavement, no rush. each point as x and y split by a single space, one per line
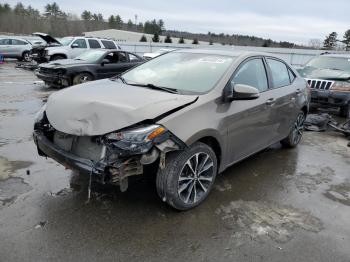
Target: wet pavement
279 205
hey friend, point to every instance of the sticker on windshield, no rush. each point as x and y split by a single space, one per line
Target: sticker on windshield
213 60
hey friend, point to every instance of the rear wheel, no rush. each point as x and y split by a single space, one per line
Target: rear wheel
295 135
26 57
345 111
82 78
188 176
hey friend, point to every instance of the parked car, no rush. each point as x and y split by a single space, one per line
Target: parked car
189 113
71 47
15 48
329 78
159 52
91 65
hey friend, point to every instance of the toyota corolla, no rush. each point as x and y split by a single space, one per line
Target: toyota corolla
190 114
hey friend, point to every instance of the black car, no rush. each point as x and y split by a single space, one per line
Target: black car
329 78
91 65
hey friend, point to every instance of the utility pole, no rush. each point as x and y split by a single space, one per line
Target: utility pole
135 19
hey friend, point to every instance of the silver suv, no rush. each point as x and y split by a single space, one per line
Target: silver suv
188 114
71 47
15 48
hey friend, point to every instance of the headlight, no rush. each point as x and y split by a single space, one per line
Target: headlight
40 114
339 86
138 140
60 71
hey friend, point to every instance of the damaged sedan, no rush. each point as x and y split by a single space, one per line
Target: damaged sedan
89 66
189 113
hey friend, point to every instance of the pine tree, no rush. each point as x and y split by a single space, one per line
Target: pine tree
331 41
155 38
346 40
181 40
168 39
143 38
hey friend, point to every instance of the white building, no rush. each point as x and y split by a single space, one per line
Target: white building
128 36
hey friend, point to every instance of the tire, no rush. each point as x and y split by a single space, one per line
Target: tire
345 111
82 78
182 188
57 57
295 135
26 57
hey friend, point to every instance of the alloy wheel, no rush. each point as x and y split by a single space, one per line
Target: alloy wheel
298 129
196 178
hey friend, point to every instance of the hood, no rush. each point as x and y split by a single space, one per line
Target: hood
48 39
64 63
100 107
328 74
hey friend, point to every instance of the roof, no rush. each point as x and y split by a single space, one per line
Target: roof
232 53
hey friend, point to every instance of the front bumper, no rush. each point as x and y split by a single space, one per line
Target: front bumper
49 149
330 98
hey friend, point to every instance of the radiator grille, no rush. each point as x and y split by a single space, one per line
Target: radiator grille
320 84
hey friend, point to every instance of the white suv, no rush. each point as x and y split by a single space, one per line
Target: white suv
71 47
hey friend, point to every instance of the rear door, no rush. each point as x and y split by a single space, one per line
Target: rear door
5 47
18 46
249 121
283 93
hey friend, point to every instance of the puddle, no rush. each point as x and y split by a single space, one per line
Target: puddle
308 182
11 188
261 221
339 193
8 168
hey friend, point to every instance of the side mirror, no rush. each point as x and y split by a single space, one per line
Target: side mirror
74 46
104 61
240 92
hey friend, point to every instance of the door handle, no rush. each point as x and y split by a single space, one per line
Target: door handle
270 101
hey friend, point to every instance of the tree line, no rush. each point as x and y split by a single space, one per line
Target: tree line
331 41
21 19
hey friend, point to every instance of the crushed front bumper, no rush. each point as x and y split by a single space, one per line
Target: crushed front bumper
330 98
49 149
53 80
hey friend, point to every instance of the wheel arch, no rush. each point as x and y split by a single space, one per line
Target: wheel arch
58 54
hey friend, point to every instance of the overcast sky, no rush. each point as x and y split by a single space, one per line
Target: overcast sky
296 20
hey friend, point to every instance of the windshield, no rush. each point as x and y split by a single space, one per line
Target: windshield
66 40
184 72
91 56
324 62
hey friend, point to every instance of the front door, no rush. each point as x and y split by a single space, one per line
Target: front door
249 122
78 47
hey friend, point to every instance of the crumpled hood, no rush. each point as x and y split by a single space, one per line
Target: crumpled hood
62 63
328 74
100 107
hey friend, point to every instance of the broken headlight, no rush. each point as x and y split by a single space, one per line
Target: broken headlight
340 86
138 140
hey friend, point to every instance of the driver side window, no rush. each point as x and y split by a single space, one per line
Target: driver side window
252 73
113 57
80 42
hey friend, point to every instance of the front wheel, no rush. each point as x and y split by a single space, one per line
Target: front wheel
295 135
82 78
188 176
26 57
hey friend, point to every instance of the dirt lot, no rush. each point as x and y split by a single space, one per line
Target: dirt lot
279 205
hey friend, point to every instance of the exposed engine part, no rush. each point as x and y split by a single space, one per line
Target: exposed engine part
149 158
130 167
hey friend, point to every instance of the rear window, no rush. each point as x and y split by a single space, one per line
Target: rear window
18 42
280 73
94 43
108 44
